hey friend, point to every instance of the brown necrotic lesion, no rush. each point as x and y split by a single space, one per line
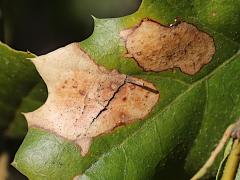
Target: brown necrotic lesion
157 48
86 100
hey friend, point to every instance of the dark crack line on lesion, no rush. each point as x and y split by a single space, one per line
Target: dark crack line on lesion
105 108
109 101
142 86
126 80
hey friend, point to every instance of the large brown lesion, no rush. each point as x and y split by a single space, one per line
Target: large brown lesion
86 100
157 48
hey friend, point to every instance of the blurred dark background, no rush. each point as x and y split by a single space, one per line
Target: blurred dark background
43 26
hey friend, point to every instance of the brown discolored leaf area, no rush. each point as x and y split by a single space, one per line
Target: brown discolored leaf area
86 100
157 48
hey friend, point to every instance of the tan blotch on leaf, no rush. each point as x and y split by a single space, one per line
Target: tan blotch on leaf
86 100
157 48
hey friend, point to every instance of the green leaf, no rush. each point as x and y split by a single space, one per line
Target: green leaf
18 77
184 127
34 99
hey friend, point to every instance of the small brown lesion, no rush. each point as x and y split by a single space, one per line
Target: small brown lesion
82 92
158 48
124 99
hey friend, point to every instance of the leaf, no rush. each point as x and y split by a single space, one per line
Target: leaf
18 77
86 100
34 99
184 127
